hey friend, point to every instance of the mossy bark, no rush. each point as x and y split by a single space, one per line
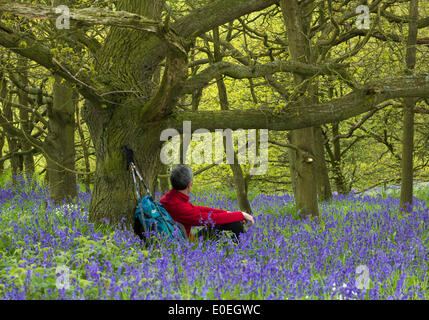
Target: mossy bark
59 144
128 63
114 192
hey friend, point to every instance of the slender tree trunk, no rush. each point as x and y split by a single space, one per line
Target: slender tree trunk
1 152
27 126
302 167
3 93
85 148
324 191
340 181
406 199
240 184
59 144
304 175
12 142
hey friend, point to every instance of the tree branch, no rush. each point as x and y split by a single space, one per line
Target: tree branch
27 46
295 115
217 13
259 70
87 16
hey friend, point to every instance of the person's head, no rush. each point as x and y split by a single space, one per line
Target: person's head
181 178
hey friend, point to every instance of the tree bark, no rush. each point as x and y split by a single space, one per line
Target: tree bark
324 191
340 181
85 148
12 141
127 60
114 195
24 117
59 144
302 163
406 199
2 133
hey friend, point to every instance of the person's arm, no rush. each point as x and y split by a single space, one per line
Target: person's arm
193 215
207 209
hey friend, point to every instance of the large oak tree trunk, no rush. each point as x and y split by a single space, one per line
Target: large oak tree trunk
128 64
12 141
114 192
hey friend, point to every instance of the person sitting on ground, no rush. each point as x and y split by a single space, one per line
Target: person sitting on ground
176 202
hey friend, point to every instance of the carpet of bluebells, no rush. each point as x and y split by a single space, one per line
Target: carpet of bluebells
280 257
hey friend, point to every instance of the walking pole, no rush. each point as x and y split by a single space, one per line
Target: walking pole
128 154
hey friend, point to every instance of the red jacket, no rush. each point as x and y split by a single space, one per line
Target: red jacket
181 210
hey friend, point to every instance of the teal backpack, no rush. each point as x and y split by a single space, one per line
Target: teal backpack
150 215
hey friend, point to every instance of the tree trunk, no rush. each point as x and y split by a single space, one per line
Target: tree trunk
240 184
3 94
85 148
324 191
302 168
27 126
1 152
59 144
340 181
406 200
12 142
114 193
127 60
304 175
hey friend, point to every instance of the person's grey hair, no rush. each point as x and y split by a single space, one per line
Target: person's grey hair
180 176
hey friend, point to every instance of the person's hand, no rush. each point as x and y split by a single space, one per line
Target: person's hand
248 219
